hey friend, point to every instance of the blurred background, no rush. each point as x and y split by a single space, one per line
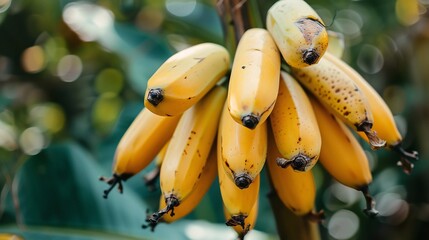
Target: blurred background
72 79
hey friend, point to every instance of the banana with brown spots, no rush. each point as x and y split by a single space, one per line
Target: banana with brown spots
295 126
337 91
188 151
242 151
254 80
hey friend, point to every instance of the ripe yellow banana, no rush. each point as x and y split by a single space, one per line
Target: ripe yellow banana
249 222
201 187
337 91
185 78
237 202
342 155
188 151
299 32
297 190
254 80
384 123
295 127
142 141
242 151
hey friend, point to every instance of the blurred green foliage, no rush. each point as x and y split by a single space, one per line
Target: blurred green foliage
72 78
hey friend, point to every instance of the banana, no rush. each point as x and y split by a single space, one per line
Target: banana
237 202
254 80
10 236
184 78
249 222
298 31
384 123
297 190
337 91
201 188
342 155
142 141
295 127
188 151
242 151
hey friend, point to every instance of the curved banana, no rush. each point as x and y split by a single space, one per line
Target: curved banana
342 155
297 190
242 151
249 221
185 78
299 32
142 141
201 188
337 91
254 80
188 151
384 123
237 202
295 127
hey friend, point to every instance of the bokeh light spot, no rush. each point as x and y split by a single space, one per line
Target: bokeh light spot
344 224
69 68
31 141
370 59
48 116
33 59
109 80
180 8
4 5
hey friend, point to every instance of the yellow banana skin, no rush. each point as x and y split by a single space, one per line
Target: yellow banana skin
188 151
254 80
242 151
295 127
299 32
237 202
297 190
142 141
201 188
384 123
342 155
185 78
249 222
337 91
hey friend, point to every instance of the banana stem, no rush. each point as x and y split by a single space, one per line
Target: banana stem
153 219
151 177
406 164
374 140
113 181
370 210
236 220
316 217
291 226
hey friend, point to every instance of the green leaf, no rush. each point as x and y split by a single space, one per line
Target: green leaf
60 188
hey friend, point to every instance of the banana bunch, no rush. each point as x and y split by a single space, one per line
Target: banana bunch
207 116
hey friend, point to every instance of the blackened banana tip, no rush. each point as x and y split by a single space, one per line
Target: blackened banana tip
310 56
155 96
243 181
250 121
299 163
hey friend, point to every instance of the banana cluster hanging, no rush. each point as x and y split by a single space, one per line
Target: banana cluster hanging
197 128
